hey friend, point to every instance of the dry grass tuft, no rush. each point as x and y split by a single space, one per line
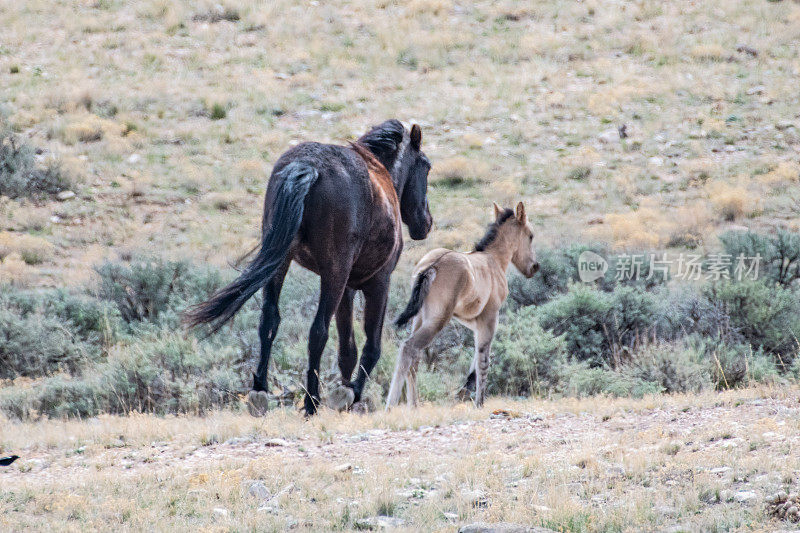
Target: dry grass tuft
709 52
731 202
30 248
458 171
784 173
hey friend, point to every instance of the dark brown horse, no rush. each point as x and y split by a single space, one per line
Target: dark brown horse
337 211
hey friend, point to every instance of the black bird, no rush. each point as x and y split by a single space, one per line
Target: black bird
6 461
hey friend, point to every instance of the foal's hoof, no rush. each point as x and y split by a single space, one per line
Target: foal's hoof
464 395
257 403
340 398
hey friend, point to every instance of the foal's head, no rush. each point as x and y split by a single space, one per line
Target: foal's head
519 236
399 150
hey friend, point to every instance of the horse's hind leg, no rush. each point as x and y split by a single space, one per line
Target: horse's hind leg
412 392
268 327
341 397
424 331
375 296
332 286
484 332
348 352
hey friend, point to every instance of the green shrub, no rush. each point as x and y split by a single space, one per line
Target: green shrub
526 359
672 367
42 333
559 269
766 316
147 289
165 373
780 254
581 380
600 327
580 316
21 176
171 374
732 365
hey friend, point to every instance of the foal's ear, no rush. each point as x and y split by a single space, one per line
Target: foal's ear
497 210
416 136
521 213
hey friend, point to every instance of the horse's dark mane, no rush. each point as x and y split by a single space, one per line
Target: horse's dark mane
491 231
383 140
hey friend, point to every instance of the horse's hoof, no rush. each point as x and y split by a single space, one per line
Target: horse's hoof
310 405
257 403
363 407
340 398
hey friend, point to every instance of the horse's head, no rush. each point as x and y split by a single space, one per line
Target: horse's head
399 150
524 256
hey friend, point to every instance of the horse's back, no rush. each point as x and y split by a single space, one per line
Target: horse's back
333 231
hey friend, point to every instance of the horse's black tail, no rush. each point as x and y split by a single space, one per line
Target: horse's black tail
287 214
422 285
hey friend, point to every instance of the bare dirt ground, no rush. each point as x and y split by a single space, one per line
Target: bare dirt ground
693 463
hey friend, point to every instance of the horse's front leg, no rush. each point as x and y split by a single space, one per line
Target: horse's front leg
375 297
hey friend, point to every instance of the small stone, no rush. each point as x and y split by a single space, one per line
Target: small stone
220 512
609 136
744 496
783 125
501 527
616 470
452 517
134 158
476 499
743 48
65 195
379 522
258 490
758 89
344 467
656 161
274 443
720 470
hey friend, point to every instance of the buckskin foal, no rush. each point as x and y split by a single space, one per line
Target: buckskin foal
468 286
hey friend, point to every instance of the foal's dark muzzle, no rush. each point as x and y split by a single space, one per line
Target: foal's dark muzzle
534 268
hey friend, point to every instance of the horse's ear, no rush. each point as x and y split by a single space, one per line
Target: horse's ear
521 213
497 210
416 136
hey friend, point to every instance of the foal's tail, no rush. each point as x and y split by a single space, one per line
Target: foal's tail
287 214
422 285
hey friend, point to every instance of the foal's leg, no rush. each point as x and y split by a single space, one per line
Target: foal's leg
484 332
348 353
412 391
267 329
375 296
425 330
332 286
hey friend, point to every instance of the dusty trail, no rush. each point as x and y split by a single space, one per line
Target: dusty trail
688 461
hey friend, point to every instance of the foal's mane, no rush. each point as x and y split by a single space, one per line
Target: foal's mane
491 231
